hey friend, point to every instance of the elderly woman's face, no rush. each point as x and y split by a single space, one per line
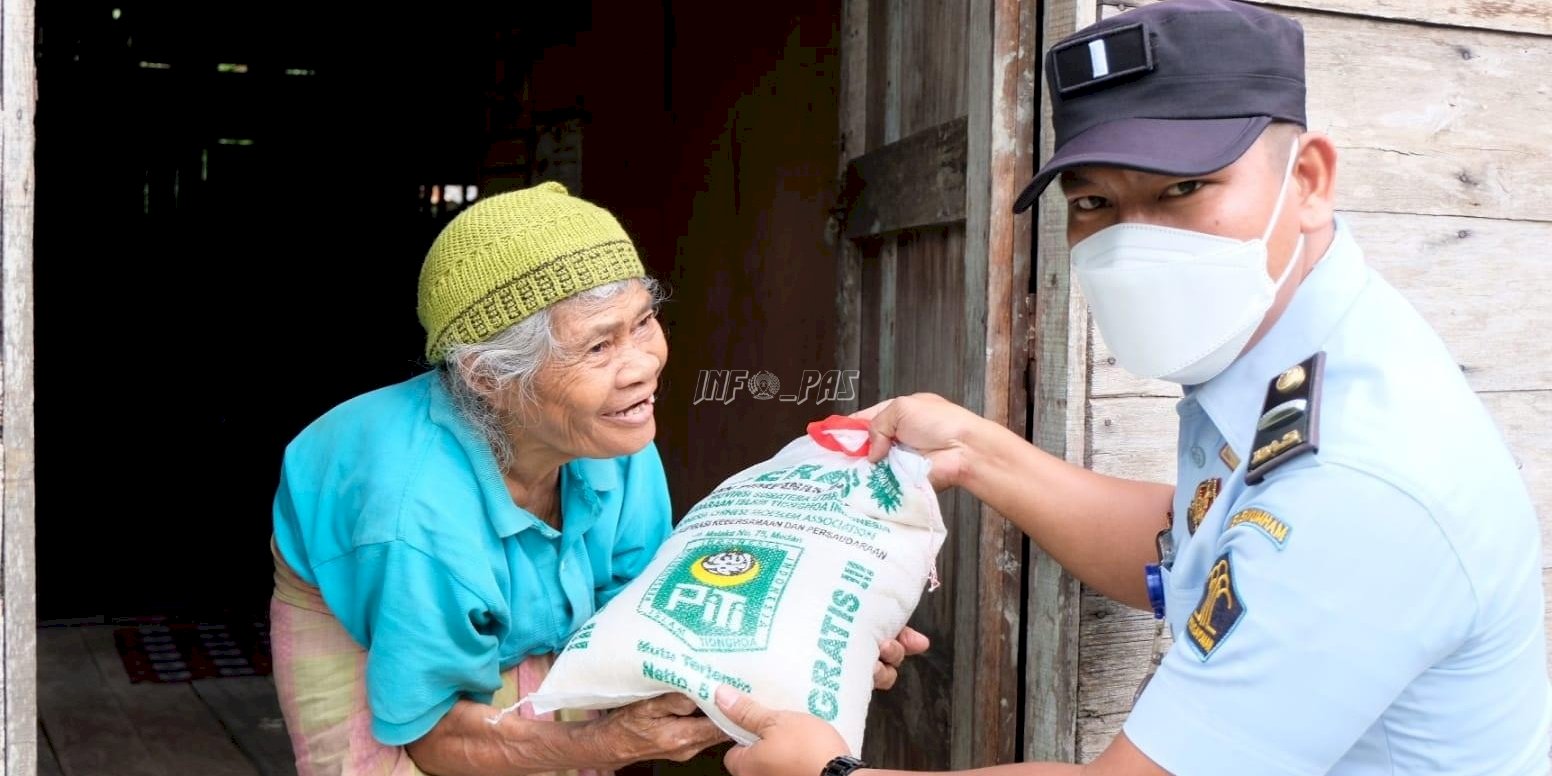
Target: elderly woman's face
596 399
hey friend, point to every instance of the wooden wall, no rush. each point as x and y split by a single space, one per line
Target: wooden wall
913 284
1440 111
18 143
931 278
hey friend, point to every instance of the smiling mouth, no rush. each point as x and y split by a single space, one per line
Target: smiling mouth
634 411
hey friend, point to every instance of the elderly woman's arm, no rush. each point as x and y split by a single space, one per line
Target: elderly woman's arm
466 743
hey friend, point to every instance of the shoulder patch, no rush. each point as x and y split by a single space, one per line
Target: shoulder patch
1290 418
1275 529
1218 612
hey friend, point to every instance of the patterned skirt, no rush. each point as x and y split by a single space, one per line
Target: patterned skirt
320 676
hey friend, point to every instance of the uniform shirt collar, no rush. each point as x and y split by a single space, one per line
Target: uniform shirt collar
1233 399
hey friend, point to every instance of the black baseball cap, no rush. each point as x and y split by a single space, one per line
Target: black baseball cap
1181 87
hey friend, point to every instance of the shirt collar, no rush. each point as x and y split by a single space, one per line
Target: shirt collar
1232 400
591 476
597 474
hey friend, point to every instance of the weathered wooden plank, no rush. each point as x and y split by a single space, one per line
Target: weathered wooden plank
1524 16
1436 120
5 734
177 729
929 289
1462 274
916 182
848 311
1058 401
1017 84
1530 17
853 89
250 711
888 286
1051 620
1117 641
853 94
993 260
872 281
987 256
1134 438
87 722
879 78
932 291
894 63
934 44
1012 123
18 631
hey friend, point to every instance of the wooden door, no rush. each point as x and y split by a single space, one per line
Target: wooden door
933 284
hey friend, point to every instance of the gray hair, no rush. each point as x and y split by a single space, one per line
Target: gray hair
511 360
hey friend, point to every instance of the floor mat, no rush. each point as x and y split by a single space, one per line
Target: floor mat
158 650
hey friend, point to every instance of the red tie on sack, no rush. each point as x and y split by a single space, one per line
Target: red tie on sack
819 432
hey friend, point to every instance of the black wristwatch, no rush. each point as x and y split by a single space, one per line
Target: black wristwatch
842 766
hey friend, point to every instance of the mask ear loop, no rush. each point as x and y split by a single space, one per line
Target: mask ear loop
1282 193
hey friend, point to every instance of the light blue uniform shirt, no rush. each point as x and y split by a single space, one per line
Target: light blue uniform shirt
1389 615
394 507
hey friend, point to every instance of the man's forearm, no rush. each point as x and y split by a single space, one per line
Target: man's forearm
1018 769
1101 529
465 743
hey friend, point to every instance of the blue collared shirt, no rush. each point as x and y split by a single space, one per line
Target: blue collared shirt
394 507
1373 608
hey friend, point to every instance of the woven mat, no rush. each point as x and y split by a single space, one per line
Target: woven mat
157 650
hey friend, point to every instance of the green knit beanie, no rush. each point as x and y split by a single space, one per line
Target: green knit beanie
510 255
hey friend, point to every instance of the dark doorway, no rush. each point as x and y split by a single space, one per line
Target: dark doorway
233 202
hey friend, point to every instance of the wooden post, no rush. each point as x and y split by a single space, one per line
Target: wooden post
18 100
853 142
998 50
1059 401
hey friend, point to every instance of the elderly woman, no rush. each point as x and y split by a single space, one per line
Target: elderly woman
437 541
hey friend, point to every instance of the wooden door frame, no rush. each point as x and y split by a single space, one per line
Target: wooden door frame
912 183
18 99
1003 55
1058 378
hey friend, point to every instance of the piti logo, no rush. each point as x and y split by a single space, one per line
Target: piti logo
726 569
720 595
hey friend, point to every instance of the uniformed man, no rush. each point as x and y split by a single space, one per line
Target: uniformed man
1352 570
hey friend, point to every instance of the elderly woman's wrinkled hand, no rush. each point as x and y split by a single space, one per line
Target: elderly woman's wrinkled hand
658 728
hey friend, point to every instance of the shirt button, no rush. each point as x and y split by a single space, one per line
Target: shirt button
1198 456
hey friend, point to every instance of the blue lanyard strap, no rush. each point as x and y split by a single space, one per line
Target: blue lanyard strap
1155 579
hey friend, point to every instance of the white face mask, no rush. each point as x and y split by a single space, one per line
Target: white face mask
1177 304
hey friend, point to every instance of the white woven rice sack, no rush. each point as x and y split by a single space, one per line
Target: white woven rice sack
781 582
